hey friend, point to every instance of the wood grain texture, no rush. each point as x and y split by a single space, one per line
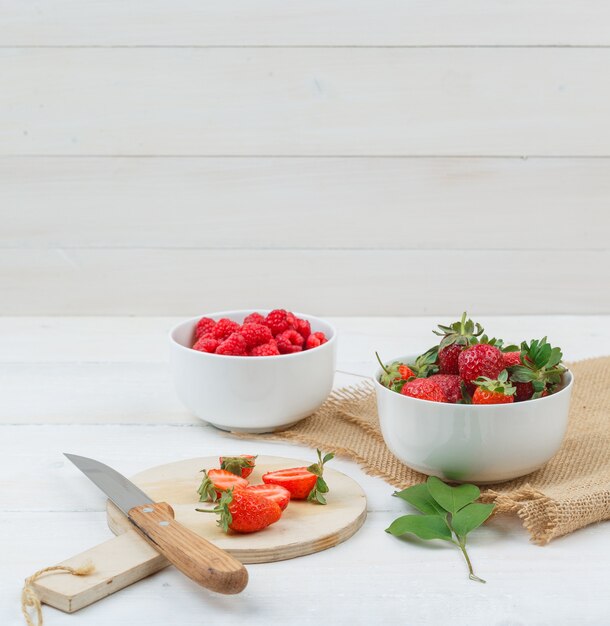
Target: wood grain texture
317 22
324 282
194 556
237 203
305 101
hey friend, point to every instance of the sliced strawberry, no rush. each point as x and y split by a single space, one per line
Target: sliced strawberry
299 481
278 494
244 511
304 483
217 481
241 465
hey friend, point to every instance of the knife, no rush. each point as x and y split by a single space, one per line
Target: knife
195 557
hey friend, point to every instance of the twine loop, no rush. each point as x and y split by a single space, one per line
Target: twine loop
31 606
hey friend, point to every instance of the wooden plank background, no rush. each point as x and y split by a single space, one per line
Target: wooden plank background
345 158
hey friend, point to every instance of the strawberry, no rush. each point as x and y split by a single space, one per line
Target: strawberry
241 465
424 389
511 358
267 349
289 341
450 384
206 343
254 318
394 374
279 320
224 328
245 511
455 338
539 371
448 359
255 335
302 482
204 326
216 481
278 494
233 345
482 359
314 340
498 391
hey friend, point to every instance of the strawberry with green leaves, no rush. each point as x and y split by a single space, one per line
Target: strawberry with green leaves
455 338
498 391
394 374
241 465
540 370
216 481
303 483
244 511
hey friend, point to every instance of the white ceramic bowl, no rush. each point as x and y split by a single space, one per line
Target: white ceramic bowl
252 394
473 443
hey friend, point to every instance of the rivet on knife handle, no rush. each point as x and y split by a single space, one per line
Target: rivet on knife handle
195 557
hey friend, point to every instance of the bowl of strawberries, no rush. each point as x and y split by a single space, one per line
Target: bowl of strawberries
473 408
253 371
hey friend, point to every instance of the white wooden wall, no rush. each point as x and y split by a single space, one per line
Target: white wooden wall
341 157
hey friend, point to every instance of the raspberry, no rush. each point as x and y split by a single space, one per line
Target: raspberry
289 341
233 345
204 326
256 335
254 318
303 327
279 320
314 340
266 349
224 328
207 343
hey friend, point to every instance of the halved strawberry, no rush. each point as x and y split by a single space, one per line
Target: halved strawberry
245 511
217 481
303 483
241 465
280 495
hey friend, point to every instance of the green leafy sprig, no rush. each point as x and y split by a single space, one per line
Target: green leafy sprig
320 488
448 513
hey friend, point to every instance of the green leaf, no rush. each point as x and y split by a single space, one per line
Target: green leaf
422 526
452 499
470 517
521 374
419 497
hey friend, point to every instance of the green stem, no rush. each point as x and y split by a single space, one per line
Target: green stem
472 575
383 367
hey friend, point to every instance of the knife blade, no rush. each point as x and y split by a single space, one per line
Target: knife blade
194 556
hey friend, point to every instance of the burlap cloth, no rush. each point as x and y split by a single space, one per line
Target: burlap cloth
569 492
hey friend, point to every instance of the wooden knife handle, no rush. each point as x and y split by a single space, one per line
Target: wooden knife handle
195 557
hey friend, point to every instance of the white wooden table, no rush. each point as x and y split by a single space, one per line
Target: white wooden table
101 387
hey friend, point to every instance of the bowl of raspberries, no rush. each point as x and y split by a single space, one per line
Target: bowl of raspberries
253 370
474 408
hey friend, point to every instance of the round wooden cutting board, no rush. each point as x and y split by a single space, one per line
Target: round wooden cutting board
305 527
